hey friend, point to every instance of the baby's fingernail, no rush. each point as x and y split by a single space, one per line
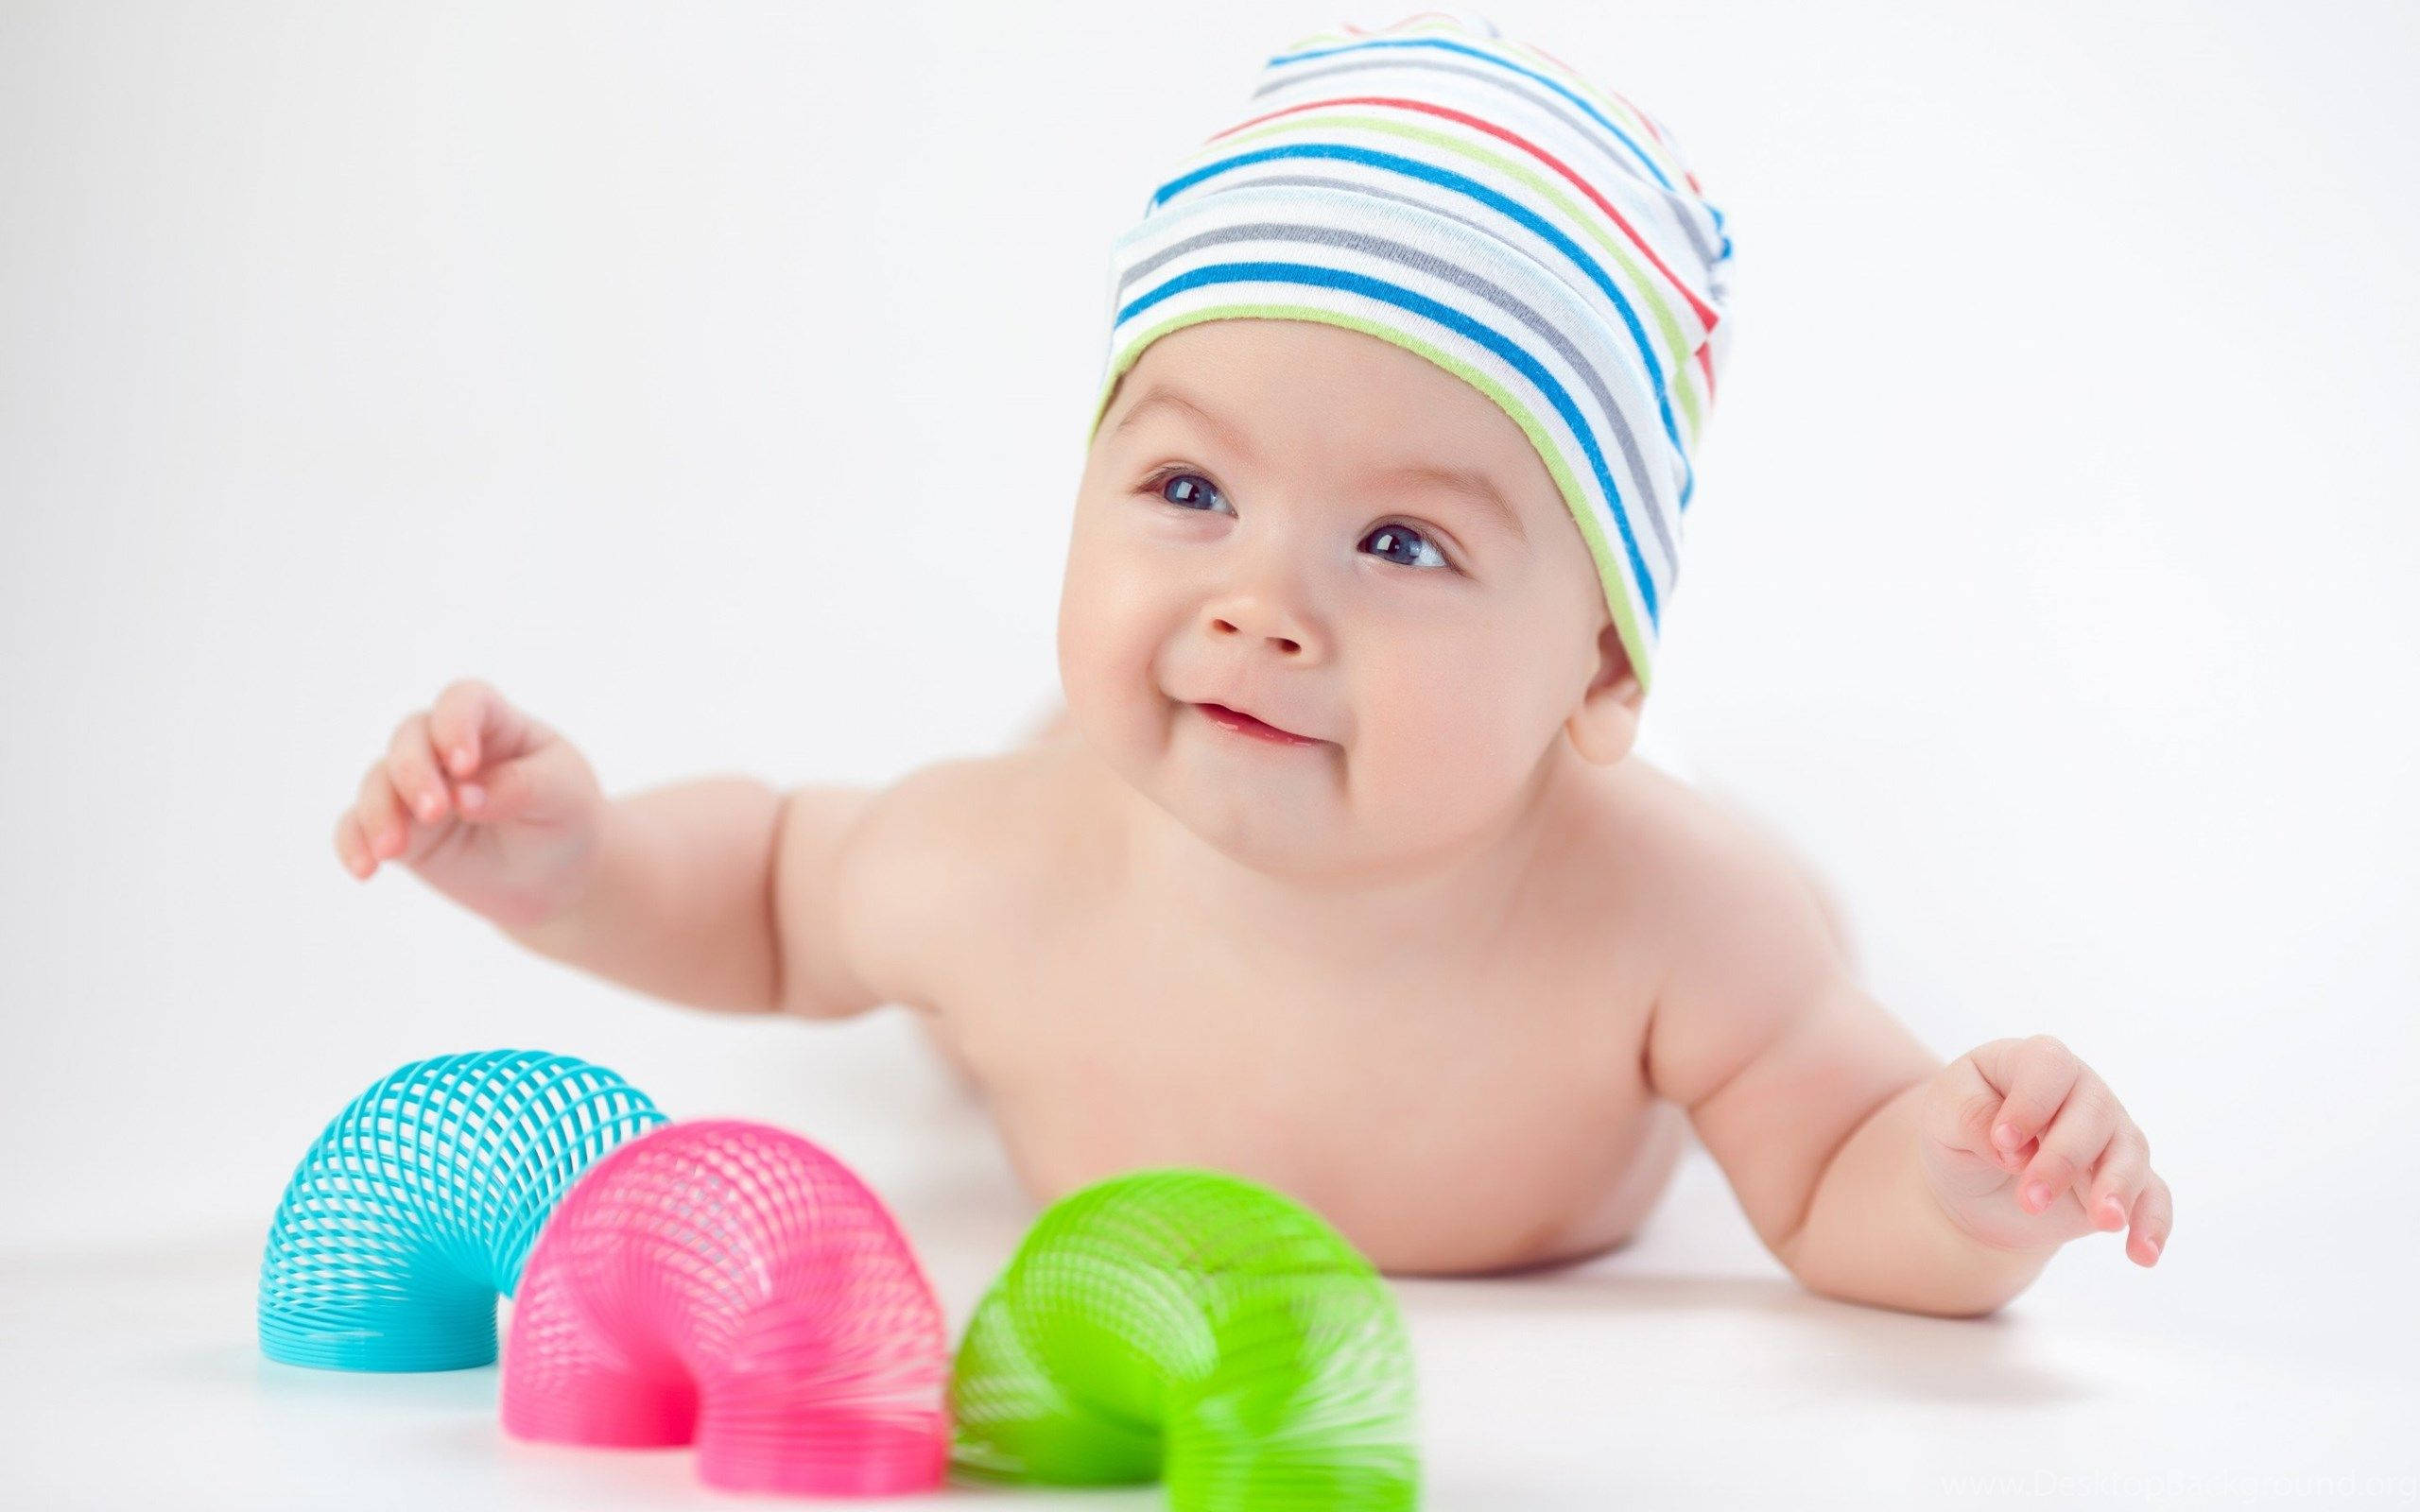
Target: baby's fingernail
2005 1134
461 758
2037 1197
429 805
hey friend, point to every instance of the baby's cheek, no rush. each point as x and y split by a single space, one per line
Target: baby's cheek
1440 731
1108 638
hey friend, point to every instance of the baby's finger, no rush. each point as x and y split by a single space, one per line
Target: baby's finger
528 789
2072 1144
351 848
2124 1172
2155 1212
472 724
2037 1074
412 764
384 821
1965 1103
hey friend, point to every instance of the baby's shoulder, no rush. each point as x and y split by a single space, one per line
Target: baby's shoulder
973 819
1742 924
958 855
1698 871
1646 826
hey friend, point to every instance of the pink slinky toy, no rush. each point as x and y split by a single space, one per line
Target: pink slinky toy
728 1283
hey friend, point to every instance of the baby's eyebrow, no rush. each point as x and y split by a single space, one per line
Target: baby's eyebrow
1175 400
1471 483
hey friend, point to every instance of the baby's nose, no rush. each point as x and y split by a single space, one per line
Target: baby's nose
1266 587
1289 645
1259 614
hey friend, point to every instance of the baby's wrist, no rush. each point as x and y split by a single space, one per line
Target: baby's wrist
557 926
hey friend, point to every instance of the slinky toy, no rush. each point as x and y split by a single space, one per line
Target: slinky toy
418 1203
729 1283
1192 1327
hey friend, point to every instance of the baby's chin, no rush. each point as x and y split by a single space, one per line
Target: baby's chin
1293 812
1274 807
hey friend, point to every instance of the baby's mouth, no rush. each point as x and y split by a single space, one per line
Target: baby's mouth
1244 724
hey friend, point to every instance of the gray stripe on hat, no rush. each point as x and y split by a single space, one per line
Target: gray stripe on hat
1395 252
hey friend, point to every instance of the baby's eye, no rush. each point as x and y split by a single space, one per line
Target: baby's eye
1190 491
1184 489
1394 538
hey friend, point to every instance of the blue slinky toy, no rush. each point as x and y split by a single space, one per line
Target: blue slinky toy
416 1206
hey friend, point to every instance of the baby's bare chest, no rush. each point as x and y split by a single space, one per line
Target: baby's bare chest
1444 1105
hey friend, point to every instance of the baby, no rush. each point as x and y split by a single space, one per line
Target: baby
1338 871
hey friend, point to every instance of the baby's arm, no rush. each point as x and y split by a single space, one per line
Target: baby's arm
1847 1143
721 893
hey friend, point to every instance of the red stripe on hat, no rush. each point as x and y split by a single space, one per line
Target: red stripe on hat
1653 129
1707 316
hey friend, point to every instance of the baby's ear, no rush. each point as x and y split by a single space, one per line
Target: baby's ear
1605 725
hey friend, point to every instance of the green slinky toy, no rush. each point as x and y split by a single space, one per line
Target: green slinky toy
1194 1327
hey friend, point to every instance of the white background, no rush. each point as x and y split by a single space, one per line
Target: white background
713 380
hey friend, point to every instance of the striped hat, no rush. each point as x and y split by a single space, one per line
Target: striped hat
1465 196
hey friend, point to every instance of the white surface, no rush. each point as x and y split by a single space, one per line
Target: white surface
2047 583
1685 1370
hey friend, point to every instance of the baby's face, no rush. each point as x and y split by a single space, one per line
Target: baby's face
1269 520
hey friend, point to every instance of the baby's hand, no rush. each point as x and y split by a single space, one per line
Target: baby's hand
488 806
2026 1147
